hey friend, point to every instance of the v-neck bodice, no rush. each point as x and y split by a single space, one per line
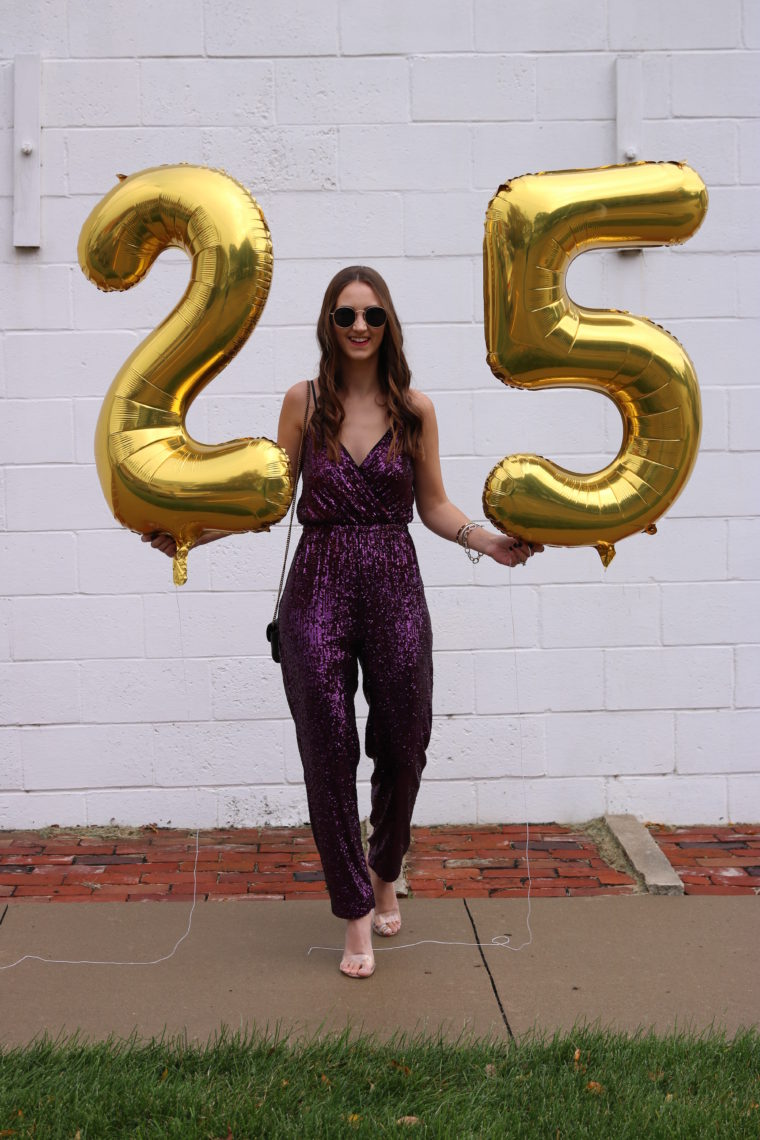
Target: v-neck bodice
366 457
377 490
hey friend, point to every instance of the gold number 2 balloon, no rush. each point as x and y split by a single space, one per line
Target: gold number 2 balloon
537 337
153 475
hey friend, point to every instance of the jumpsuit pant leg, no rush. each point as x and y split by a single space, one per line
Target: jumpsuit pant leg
320 674
397 677
379 617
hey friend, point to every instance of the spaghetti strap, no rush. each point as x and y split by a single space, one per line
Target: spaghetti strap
313 393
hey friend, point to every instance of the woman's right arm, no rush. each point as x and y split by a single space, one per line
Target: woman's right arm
289 432
290 427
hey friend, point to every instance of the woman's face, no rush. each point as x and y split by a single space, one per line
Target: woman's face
359 341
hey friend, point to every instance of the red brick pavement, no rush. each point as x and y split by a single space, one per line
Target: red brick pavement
282 863
492 862
713 860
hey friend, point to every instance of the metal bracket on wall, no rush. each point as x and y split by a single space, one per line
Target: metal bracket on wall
629 113
26 151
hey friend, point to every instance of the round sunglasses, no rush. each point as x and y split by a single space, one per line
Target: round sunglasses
345 316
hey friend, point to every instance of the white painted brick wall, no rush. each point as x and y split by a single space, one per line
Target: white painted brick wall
747 665
37 431
237 752
726 613
114 755
336 224
644 796
668 678
38 563
90 93
723 741
749 150
339 90
511 801
34 297
609 744
39 693
744 411
205 92
259 29
748 285
5 629
492 746
12 769
378 133
510 26
399 28
600 615
473 88
176 28
715 84
743 548
743 798
531 146
680 24
74 628
554 680
414 156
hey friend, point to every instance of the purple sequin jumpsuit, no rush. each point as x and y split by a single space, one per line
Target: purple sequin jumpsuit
353 597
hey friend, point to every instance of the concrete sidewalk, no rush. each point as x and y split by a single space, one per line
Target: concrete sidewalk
623 962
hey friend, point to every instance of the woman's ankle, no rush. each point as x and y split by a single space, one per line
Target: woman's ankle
359 934
361 918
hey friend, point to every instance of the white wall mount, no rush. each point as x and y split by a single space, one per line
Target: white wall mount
26 151
629 109
629 113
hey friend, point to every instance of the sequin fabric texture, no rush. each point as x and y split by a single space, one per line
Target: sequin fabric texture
354 596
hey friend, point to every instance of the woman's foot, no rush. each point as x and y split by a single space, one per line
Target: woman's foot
386 919
358 960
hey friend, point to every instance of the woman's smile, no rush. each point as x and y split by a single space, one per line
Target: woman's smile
360 340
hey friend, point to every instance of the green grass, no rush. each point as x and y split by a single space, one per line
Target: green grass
586 1083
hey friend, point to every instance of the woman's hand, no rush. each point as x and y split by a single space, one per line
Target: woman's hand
165 543
508 550
161 541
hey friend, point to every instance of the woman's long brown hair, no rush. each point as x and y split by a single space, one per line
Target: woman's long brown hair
394 373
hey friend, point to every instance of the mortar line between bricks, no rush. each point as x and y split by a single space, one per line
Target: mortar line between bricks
502 1011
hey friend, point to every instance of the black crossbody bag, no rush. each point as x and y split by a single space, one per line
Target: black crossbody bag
273 629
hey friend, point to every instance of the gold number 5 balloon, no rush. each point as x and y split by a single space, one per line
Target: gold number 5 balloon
153 475
538 338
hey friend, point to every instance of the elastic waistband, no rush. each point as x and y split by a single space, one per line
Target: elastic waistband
353 526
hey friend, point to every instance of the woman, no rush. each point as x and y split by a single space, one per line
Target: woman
354 595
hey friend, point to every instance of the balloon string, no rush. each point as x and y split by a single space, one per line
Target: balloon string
103 962
499 941
165 957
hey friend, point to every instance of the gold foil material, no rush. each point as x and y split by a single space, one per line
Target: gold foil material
154 476
537 337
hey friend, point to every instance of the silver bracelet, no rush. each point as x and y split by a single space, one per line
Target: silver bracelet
461 538
464 530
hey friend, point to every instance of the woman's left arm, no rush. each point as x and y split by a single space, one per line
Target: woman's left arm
440 515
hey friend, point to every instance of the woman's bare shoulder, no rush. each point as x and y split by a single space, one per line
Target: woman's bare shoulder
296 393
294 400
421 403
